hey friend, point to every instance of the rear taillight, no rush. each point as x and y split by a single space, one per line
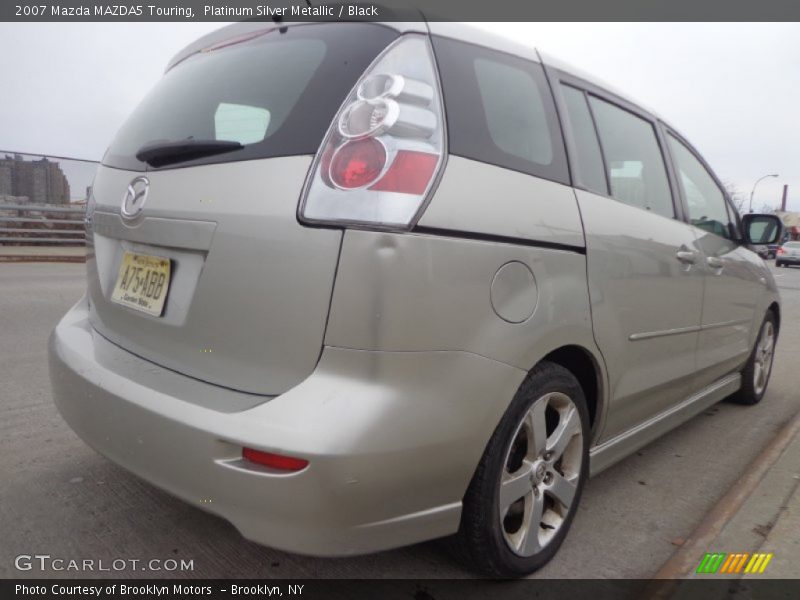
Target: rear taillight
385 148
357 163
780 251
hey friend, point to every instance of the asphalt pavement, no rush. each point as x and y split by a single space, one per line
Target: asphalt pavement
58 497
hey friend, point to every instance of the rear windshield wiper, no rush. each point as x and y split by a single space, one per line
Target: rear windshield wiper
165 152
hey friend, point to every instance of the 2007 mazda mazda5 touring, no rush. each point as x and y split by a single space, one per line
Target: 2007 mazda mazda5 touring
359 285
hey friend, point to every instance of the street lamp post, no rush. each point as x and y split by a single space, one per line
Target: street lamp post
754 188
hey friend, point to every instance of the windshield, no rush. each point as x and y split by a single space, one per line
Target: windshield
275 94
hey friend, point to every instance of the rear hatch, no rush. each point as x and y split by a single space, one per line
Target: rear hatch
231 132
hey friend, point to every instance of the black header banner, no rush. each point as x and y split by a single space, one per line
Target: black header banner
400 10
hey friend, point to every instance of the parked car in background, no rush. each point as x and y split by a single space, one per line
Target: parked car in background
763 251
352 286
788 254
772 250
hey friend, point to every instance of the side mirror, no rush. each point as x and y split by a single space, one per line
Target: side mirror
762 229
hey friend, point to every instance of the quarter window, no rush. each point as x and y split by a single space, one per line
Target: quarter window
500 110
634 161
704 198
514 110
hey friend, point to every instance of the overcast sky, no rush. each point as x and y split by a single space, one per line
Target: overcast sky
732 89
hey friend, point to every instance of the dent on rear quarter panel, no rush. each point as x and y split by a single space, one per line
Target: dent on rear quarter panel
415 292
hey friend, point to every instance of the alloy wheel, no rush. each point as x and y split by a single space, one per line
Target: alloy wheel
541 474
765 350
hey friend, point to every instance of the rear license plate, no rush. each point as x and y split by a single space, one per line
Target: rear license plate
143 282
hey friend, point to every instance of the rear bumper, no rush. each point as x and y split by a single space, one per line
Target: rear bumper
392 438
794 260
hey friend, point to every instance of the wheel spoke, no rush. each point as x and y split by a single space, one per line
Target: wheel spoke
529 544
766 346
562 489
567 428
514 486
768 362
537 428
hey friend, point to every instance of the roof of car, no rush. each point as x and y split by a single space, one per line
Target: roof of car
460 31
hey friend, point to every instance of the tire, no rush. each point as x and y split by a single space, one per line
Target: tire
756 372
778 263
550 399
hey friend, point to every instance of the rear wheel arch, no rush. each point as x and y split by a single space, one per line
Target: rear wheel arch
482 540
587 370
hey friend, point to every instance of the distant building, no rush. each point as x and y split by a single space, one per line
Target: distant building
41 181
791 220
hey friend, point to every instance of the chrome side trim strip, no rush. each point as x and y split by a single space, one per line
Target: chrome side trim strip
726 324
615 449
647 335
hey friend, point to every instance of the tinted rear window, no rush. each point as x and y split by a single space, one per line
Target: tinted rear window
276 94
500 110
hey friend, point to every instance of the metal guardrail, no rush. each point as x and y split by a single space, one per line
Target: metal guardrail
55 208
55 224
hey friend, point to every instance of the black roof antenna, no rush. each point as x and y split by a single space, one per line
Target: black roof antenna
278 18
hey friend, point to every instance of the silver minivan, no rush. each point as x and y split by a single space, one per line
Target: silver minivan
353 286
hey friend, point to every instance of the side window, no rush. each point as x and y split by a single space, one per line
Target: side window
500 110
705 199
514 125
590 170
636 169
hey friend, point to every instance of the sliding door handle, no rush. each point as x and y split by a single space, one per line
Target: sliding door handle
687 257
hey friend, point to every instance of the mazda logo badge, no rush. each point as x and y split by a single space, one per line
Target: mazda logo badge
135 197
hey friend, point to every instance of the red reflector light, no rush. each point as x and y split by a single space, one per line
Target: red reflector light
357 163
410 173
274 461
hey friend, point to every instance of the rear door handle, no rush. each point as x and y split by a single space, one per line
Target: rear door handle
714 262
686 256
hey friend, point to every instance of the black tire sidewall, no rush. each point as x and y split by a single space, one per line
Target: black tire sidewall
499 559
747 393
